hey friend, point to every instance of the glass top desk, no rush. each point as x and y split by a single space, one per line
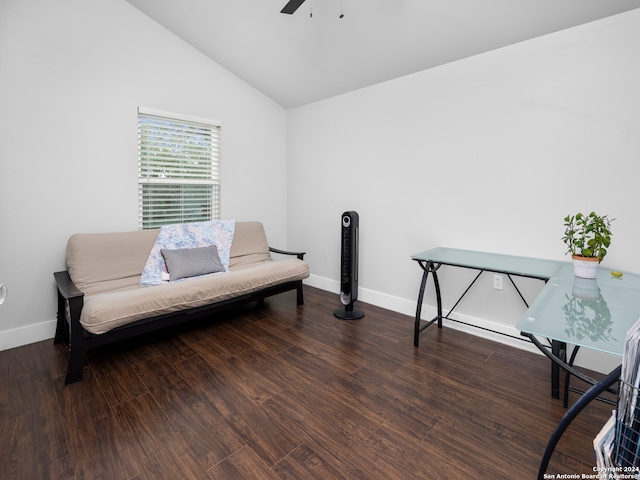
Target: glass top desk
587 313
431 260
594 314
494 262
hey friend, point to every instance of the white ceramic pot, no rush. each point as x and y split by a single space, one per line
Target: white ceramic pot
585 267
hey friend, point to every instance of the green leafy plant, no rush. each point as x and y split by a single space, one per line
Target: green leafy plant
587 235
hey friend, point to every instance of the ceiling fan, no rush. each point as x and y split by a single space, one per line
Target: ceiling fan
292 6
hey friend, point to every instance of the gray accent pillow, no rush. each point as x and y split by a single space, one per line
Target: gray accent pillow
191 262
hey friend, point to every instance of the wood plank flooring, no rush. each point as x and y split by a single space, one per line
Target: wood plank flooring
286 392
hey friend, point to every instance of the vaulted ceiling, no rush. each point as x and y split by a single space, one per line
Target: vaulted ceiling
302 58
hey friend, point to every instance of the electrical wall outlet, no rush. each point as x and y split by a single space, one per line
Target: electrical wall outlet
497 282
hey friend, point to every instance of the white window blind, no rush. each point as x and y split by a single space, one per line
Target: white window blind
178 169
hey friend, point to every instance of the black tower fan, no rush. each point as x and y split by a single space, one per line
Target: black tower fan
349 268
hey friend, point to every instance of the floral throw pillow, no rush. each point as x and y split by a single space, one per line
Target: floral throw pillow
187 235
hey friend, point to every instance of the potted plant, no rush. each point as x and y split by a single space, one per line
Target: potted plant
587 238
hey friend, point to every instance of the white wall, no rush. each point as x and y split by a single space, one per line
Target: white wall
72 74
488 153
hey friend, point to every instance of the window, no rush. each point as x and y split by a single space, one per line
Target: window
178 169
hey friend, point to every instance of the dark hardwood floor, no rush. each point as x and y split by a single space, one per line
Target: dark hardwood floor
286 392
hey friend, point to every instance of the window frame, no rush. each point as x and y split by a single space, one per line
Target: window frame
178 143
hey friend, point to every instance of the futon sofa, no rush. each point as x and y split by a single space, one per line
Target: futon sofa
108 294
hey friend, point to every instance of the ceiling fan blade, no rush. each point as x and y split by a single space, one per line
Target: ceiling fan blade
292 6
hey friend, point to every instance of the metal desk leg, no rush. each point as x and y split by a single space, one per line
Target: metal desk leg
416 330
558 350
436 284
567 377
572 413
427 267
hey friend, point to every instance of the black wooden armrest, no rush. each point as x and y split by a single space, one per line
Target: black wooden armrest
300 255
68 328
66 287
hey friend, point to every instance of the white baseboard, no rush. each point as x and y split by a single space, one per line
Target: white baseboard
408 307
18 337
508 335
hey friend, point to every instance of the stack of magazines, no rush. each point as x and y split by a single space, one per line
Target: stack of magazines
603 445
627 426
